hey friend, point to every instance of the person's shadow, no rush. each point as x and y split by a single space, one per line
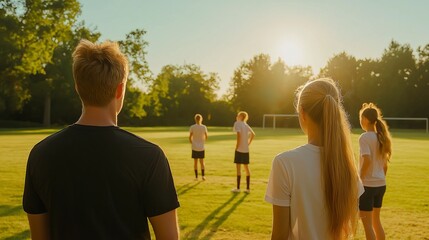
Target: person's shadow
185 188
213 226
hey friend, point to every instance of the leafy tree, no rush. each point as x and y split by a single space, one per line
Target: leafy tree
260 87
179 92
420 84
397 66
342 68
37 28
139 79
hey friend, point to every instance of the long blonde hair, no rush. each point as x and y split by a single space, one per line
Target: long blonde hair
371 112
321 100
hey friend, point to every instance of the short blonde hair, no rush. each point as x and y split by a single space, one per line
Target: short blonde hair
198 118
243 115
97 71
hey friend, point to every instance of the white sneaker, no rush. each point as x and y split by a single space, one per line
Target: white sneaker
247 191
204 178
235 190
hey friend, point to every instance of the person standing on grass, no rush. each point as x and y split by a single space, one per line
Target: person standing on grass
94 180
197 136
375 151
245 137
315 188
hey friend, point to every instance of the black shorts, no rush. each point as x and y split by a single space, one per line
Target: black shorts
242 158
371 198
198 154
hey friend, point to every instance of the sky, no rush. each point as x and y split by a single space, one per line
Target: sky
218 35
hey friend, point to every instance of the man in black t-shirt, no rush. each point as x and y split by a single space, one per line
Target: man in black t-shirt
93 180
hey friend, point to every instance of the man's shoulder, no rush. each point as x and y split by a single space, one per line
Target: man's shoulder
49 140
130 137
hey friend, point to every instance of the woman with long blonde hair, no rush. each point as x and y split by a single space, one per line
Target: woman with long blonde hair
315 188
375 146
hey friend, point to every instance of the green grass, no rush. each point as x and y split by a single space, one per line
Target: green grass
208 209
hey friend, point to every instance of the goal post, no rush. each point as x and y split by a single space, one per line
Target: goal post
426 120
274 116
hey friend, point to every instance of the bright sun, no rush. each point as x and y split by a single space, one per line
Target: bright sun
291 53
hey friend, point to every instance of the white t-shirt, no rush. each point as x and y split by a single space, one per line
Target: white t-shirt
244 129
198 136
296 182
368 145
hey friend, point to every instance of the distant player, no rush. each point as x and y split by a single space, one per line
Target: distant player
245 136
375 151
197 136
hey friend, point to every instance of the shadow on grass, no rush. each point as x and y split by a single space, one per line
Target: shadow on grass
185 188
213 226
7 210
22 235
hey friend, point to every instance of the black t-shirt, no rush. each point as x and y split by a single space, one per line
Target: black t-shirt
98 183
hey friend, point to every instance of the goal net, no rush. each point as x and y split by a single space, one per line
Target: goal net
275 118
426 120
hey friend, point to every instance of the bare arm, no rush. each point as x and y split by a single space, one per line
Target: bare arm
252 135
281 222
238 140
206 135
165 226
365 166
190 137
39 226
385 168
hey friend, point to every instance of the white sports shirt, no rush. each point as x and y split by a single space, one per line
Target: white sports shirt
296 182
198 136
368 145
244 129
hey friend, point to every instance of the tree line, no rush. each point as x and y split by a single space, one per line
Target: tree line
38 37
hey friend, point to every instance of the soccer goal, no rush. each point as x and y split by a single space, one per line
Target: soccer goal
426 120
274 116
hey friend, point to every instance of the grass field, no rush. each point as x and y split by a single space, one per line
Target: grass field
208 209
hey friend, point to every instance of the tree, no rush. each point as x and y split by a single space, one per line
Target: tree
260 87
397 66
342 68
420 84
139 78
37 27
179 92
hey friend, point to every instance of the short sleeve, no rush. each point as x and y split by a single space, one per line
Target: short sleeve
364 147
278 189
159 192
237 127
31 201
205 129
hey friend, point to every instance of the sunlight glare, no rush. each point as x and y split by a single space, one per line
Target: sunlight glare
291 53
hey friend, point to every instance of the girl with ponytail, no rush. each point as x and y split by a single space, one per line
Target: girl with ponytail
315 188
375 151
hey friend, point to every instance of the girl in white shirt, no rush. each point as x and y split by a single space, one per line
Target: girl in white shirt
375 151
245 135
315 188
197 137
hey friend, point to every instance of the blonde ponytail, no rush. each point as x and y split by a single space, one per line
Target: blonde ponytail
371 112
320 99
339 172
